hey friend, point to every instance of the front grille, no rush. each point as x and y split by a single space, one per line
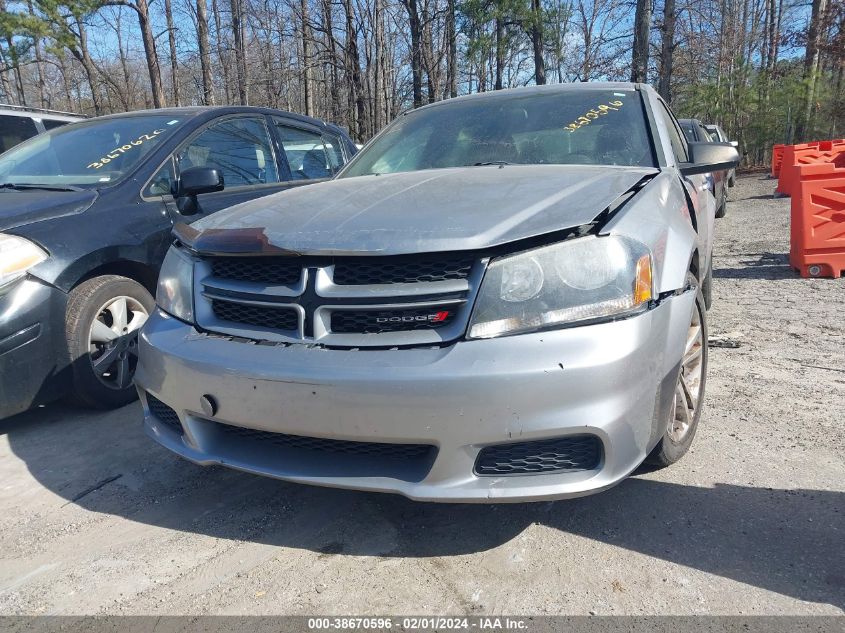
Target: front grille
262 316
564 454
323 445
401 270
339 301
378 321
267 270
164 414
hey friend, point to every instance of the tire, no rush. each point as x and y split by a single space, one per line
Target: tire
707 285
103 357
676 441
723 206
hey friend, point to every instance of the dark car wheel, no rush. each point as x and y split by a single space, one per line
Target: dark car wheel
103 317
685 411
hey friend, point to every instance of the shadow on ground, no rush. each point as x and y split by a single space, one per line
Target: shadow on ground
771 266
786 541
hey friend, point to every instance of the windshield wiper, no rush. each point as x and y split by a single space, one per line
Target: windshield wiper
22 186
501 163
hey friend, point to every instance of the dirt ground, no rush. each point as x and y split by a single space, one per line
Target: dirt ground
752 521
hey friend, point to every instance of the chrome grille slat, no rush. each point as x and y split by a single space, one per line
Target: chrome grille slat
317 297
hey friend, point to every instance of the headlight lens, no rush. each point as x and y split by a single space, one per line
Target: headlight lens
17 255
580 280
175 285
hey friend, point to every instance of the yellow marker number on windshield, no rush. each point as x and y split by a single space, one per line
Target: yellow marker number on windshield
117 151
591 115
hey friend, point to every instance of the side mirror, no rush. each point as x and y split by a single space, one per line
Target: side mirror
734 143
707 157
194 181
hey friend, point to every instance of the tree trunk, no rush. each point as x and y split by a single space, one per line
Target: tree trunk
150 52
124 65
642 25
452 50
221 43
44 102
500 52
354 67
416 50
205 52
83 55
811 68
667 50
378 78
171 37
240 53
537 44
306 60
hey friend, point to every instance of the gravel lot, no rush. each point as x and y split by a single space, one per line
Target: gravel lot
752 521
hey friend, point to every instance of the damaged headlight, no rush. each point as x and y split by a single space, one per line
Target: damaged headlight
17 256
175 293
582 280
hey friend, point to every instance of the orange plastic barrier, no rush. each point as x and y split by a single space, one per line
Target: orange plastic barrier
805 154
817 221
777 159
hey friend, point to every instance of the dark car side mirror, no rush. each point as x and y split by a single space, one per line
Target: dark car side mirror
707 157
194 181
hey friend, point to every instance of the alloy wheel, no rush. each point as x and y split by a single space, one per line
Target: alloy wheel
688 390
113 341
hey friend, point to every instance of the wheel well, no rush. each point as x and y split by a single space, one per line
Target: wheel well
694 265
136 271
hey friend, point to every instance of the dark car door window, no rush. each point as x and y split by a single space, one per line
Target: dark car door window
162 183
307 155
334 150
14 130
239 147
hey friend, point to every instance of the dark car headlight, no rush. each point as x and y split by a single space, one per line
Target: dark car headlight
577 281
175 293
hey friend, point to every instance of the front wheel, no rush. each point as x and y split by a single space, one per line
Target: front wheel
685 412
102 321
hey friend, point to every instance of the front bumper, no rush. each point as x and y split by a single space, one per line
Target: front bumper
32 365
613 380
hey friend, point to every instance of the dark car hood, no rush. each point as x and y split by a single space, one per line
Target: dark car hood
417 212
18 208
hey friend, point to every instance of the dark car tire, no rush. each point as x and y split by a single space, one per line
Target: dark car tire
671 446
100 299
707 285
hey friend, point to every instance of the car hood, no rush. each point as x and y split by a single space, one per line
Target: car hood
417 212
18 208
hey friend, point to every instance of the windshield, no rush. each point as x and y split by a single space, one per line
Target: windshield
89 154
575 127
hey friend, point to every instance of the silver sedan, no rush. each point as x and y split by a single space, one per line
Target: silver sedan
501 298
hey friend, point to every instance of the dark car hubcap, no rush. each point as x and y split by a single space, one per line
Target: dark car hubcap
113 341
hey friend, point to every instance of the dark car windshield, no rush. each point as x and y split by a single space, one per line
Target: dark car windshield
571 127
88 154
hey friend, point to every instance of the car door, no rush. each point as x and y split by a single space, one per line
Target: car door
241 147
